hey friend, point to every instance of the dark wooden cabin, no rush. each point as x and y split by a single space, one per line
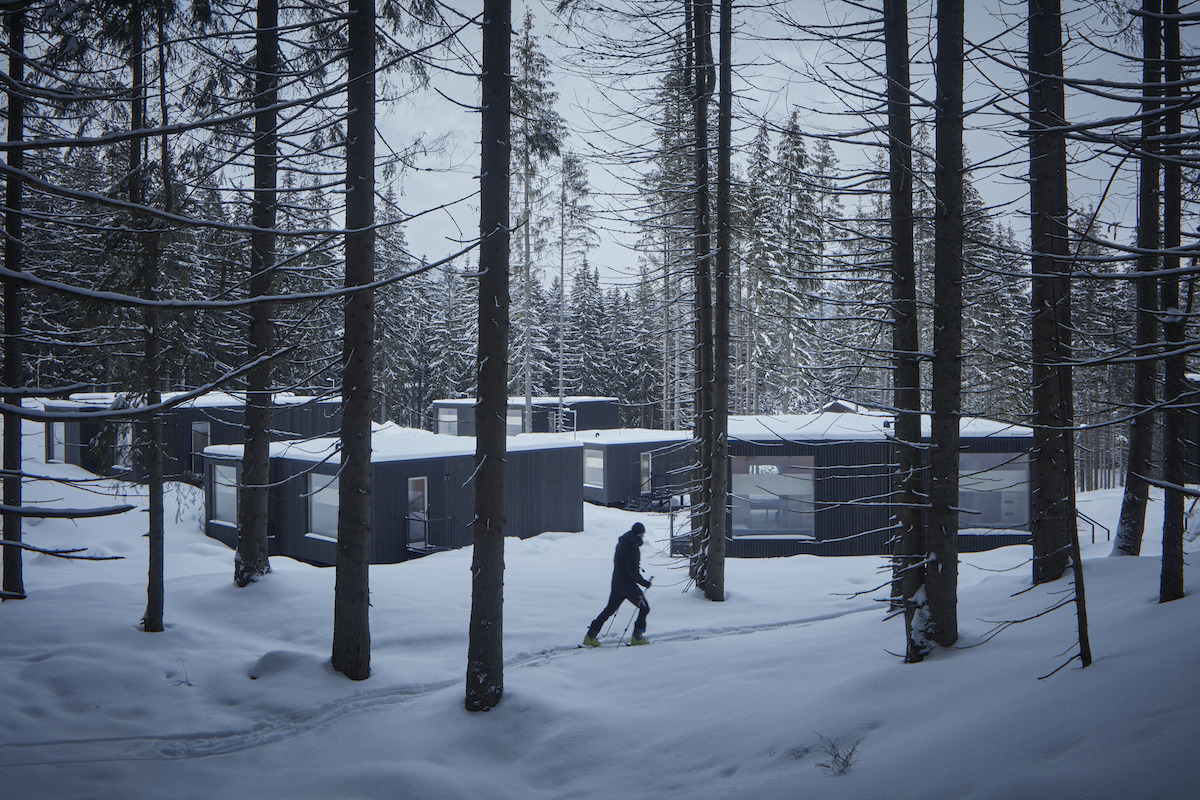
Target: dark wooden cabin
105 446
456 417
634 468
823 484
423 498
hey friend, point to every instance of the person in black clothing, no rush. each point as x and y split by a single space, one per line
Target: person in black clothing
627 583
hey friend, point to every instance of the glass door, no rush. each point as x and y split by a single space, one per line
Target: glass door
418 512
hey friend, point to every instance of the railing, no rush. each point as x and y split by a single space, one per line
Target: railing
1094 525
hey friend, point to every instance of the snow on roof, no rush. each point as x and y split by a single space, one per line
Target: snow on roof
622 436
537 401
390 442
830 426
100 400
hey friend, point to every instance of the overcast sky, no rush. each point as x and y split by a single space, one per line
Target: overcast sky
774 77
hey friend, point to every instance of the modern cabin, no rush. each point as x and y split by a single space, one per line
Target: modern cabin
422 499
823 484
87 437
456 417
634 468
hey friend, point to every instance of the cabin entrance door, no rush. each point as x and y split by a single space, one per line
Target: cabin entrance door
418 512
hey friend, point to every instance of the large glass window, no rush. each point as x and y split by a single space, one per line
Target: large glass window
593 467
772 494
323 505
225 493
993 490
447 421
514 423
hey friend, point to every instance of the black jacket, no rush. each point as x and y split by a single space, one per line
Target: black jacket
627 565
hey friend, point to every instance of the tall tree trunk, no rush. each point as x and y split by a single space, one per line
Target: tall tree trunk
251 560
1054 526
1174 318
702 502
13 579
714 586
527 289
1052 473
941 579
485 648
351 609
910 543
147 253
1132 522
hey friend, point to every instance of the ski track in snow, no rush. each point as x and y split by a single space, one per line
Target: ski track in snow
305 720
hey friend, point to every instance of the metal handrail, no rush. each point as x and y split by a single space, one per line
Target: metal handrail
1094 524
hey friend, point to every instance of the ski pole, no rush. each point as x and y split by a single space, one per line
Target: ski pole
636 609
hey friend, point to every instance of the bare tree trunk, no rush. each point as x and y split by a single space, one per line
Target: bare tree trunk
910 543
13 578
941 579
1132 522
485 648
1054 526
526 300
1052 473
351 608
251 560
702 501
714 586
147 252
1174 319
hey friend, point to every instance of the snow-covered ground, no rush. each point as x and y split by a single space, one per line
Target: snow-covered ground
737 699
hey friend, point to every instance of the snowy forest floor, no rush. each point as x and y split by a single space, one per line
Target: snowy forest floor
737 699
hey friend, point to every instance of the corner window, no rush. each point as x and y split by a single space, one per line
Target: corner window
447 421
514 423
323 505
225 493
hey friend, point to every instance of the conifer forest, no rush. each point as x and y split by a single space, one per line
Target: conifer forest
935 209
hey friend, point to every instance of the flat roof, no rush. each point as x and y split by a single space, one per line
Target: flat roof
622 436
520 401
838 426
390 442
104 400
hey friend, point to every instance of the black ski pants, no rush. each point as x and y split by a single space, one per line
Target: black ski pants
615 598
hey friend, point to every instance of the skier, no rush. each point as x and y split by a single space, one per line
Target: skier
626 580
